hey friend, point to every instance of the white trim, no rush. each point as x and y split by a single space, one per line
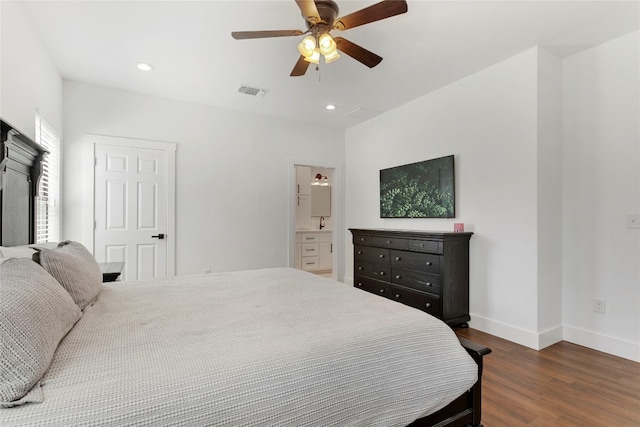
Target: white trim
605 343
539 340
508 332
89 143
550 337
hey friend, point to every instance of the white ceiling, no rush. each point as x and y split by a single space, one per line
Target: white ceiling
196 60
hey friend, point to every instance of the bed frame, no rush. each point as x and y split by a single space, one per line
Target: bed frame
466 410
20 170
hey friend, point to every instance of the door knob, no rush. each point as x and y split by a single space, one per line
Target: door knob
158 236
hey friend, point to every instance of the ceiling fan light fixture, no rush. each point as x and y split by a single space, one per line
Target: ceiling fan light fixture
314 58
307 46
328 59
321 17
327 44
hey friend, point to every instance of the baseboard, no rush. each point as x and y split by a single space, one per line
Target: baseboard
537 341
505 331
604 343
348 281
527 338
550 336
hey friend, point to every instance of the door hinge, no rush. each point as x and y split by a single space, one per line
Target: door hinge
95 225
95 161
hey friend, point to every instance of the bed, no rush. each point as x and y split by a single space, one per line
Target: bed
264 347
252 348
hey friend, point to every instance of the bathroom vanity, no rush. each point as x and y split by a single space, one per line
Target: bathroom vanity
314 250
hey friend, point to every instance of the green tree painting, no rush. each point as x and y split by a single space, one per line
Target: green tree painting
418 190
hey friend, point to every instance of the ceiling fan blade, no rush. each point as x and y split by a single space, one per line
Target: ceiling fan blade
241 35
376 12
358 53
309 10
300 68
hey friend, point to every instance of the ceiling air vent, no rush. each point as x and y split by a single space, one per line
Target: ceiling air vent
253 91
363 113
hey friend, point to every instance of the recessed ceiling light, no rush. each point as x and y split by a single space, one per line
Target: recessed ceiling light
330 107
144 67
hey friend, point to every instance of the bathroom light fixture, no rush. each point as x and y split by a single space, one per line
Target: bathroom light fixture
320 180
330 107
144 66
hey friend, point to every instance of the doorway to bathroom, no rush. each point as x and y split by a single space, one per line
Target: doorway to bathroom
314 219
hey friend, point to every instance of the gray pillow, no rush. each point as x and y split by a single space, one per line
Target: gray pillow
35 314
75 268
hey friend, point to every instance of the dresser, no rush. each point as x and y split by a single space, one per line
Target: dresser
422 269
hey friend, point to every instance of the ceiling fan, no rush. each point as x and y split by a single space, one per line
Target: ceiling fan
320 19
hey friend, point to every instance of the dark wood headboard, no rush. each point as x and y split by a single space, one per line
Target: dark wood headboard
20 171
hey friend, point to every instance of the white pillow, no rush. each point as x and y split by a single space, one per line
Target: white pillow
16 251
73 266
35 314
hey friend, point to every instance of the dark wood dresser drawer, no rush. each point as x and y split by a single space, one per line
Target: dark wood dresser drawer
419 300
371 254
370 285
416 261
424 246
424 282
390 242
363 240
375 271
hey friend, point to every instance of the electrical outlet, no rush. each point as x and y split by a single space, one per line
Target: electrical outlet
206 271
599 305
633 221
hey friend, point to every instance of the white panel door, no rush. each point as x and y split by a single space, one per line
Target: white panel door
131 209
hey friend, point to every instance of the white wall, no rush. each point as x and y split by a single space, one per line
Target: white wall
547 170
489 122
549 196
233 190
601 187
29 81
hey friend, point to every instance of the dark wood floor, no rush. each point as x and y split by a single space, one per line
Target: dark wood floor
562 385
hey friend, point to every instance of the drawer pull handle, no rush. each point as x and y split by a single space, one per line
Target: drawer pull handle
310 263
398 277
382 291
429 284
421 245
310 250
398 258
359 284
397 296
360 268
381 256
382 273
428 305
362 239
428 263
388 242
359 252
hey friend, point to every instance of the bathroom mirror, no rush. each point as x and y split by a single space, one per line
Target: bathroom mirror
320 200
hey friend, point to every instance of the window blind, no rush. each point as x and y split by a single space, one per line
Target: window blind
48 200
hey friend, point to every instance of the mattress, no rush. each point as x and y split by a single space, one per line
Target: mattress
253 348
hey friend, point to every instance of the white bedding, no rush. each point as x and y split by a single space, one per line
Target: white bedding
276 347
